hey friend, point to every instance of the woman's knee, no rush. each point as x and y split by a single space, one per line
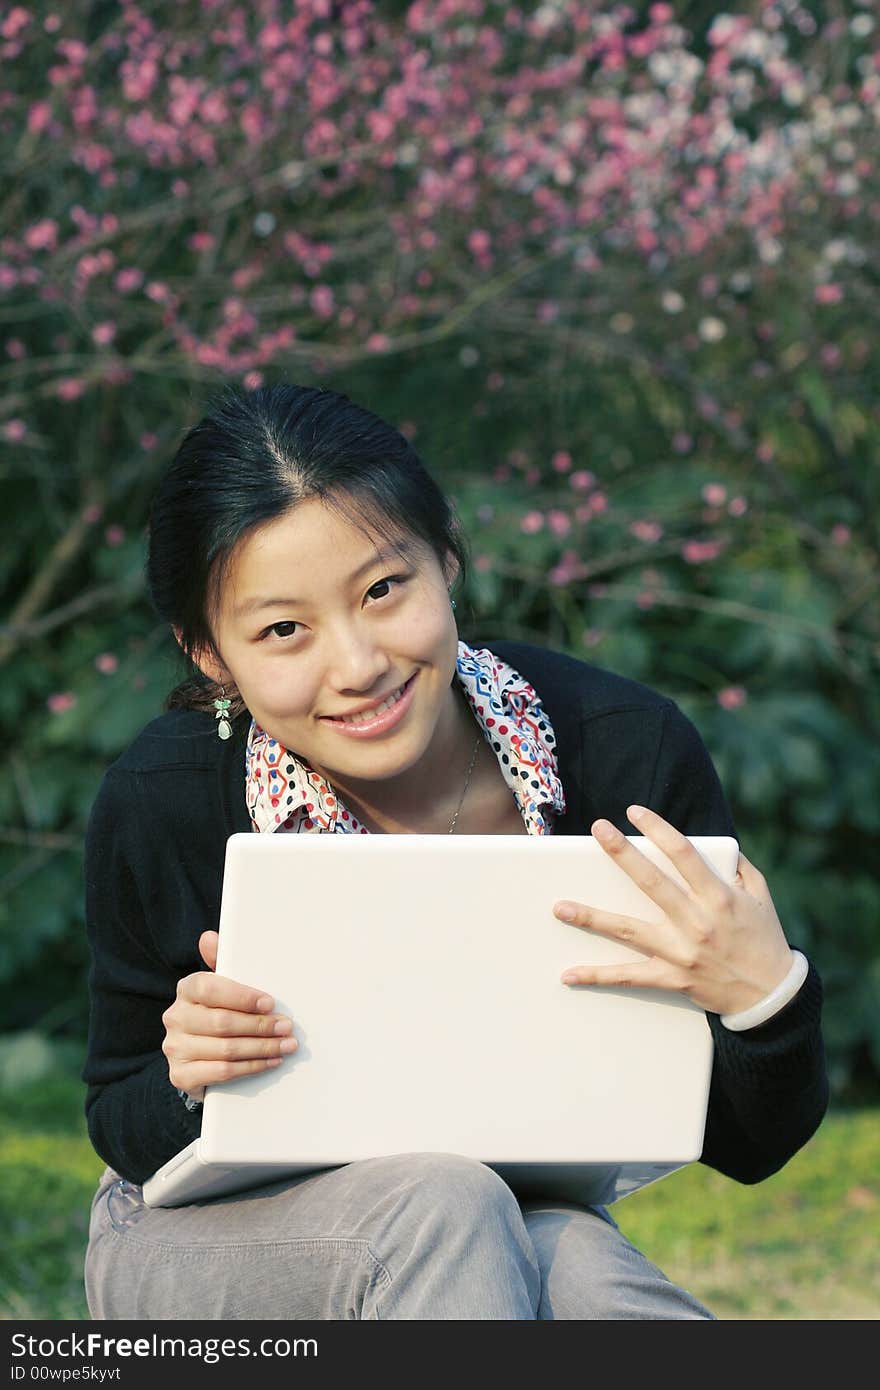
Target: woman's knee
443 1188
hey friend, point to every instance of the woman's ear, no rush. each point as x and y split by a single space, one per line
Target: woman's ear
450 569
208 662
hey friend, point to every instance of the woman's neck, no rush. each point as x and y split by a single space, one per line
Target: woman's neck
424 799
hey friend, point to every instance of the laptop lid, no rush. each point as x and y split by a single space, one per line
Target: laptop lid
422 974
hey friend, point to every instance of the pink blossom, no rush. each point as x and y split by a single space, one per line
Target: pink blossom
483 564
765 451
599 503
737 506
731 697
70 388
682 443
592 636
479 242
531 523
253 380
106 663
582 481
322 301
714 494
840 534
104 333
646 530
201 241
148 441
129 278
8 277
91 514
561 461
15 348
14 430
378 342
828 294
17 19
73 51
61 701
42 236
252 122
831 355
39 116
114 535
158 292
558 522
645 599
698 552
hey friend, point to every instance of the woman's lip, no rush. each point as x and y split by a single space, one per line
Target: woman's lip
387 720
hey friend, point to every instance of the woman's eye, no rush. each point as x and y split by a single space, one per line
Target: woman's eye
383 583
274 629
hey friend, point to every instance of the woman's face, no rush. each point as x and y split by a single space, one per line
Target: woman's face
315 623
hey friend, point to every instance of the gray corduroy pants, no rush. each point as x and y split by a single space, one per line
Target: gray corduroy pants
422 1236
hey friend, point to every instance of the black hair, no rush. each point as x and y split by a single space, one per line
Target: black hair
250 460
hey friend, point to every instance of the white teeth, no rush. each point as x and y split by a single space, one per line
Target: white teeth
368 717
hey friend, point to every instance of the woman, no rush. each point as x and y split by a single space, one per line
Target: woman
303 558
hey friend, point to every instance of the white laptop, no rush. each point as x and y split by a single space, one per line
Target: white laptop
422 974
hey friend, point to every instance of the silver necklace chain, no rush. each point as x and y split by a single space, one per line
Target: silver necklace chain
466 782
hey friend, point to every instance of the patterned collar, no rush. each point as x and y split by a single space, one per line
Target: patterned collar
284 793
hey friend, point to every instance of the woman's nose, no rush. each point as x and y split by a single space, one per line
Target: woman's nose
358 665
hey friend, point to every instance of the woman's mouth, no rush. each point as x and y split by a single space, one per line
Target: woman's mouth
376 721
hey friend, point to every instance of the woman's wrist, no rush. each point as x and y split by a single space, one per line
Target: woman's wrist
191 1102
773 1002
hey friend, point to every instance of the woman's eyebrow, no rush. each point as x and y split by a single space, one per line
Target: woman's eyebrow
382 557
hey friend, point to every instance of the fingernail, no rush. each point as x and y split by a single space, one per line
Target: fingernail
265 1003
565 911
635 812
282 1025
603 830
288 1045
569 978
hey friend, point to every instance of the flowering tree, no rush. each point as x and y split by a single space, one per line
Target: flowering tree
608 265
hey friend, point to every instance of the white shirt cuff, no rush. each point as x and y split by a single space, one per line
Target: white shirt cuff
772 1002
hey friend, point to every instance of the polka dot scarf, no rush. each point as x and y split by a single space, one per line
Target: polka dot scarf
284 793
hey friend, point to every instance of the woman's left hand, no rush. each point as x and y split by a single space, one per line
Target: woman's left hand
721 945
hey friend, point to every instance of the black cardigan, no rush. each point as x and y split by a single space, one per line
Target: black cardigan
154 857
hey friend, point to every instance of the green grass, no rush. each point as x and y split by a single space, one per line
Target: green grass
802 1245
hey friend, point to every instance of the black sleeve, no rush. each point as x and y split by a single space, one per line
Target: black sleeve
769 1087
136 1120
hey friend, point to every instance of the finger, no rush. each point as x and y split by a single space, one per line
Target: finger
637 974
202 1048
751 878
218 992
657 885
697 874
219 1022
189 1076
644 936
209 941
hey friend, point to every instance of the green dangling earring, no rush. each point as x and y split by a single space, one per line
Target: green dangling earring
224 728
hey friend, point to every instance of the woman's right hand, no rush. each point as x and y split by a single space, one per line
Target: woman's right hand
217 1029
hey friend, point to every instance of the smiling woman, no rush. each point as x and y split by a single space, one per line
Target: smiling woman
303 557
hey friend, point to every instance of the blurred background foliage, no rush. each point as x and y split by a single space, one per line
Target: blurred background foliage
612 268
